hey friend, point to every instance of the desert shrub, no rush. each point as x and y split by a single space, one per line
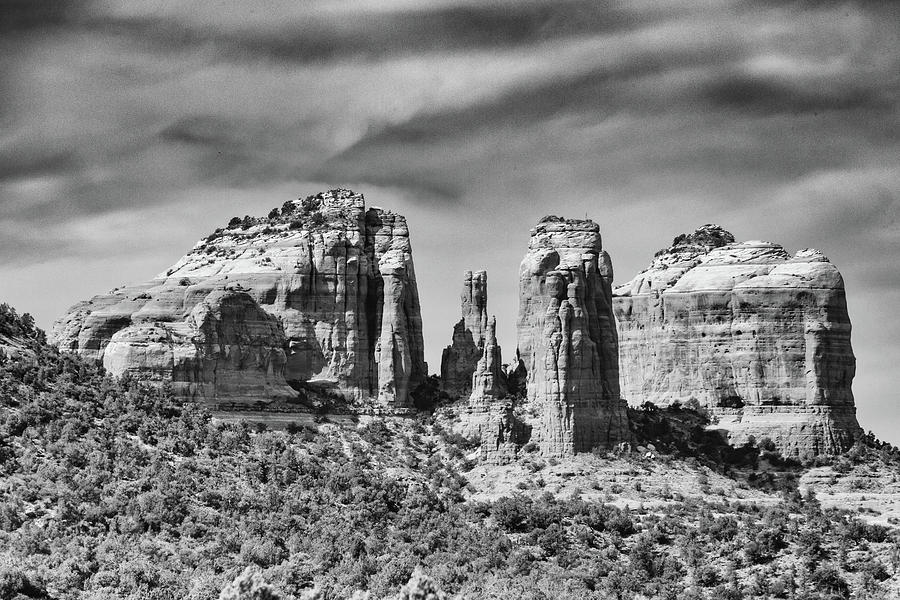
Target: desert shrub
249 585
19 326
522 514
376 433
764 545
828 583
707 576
854 530
310 204
720 529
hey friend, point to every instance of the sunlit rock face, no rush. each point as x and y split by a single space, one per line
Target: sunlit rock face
227 350
567 339
489 414
459 359
757 335
489 378
328 286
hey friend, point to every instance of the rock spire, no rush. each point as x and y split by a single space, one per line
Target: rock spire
567 338
489 379
459 359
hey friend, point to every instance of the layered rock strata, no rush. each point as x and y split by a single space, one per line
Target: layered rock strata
329 295
226 349
459 359
567 339
756 335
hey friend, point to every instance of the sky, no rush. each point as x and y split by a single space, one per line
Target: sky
128 130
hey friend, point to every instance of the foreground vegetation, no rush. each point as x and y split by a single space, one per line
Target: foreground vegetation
114 489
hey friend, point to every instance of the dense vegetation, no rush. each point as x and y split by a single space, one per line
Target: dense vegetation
113 489
20 328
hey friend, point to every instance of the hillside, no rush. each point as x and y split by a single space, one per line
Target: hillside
116 489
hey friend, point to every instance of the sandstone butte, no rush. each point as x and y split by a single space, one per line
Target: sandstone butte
322 293
759 337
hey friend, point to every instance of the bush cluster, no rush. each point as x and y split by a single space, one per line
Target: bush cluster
113 488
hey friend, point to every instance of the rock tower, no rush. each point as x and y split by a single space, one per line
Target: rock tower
459 359
567 339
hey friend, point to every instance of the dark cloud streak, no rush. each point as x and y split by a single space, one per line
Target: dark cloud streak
28 16
371 36
771 96
22 162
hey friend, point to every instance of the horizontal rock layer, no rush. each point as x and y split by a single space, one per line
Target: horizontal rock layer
334 291
750 332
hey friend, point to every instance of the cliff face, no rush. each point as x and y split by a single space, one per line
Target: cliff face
459 359
567 338
756 335
322 290
227 349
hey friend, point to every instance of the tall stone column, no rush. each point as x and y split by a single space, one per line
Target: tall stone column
567 339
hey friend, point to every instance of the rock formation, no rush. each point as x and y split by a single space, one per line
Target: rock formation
322 291
460 357
567 338
488 379
502 433
489 413
227 349
759 337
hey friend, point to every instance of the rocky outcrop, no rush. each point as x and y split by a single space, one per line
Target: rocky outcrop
489 379
459 359
567 339
322 291
756 335
227 350
502 433
488 415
